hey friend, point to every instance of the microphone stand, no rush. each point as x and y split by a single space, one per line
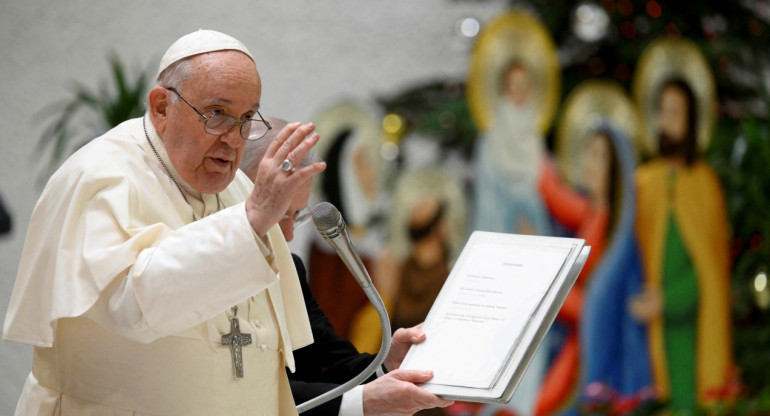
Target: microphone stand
376 300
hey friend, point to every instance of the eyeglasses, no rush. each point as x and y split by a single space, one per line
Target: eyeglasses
301 217
219 124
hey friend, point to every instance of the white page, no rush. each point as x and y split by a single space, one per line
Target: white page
533 335
484 308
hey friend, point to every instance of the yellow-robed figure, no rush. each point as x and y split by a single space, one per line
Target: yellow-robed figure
682 229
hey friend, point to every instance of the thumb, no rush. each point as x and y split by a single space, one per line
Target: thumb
408 336
412 376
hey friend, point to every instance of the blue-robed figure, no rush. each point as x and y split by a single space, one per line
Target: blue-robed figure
613 345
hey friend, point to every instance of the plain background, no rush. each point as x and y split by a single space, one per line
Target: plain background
310 54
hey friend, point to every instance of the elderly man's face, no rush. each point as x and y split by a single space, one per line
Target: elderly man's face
223 82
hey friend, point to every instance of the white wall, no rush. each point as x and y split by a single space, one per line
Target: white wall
309 53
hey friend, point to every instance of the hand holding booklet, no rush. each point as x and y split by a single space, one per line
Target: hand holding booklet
493 311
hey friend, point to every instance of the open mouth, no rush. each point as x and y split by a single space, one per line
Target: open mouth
223 163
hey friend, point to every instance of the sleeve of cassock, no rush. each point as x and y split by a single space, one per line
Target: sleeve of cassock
113 241
169 290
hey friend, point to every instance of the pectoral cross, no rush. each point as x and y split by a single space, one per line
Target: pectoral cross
235 340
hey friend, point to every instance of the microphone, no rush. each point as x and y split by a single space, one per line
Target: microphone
329 223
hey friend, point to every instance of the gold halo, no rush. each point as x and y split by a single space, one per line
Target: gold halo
514 35
409 190
589 105
356 116
660 61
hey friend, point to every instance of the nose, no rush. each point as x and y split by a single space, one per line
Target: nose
232 137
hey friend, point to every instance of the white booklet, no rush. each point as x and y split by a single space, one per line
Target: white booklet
493 311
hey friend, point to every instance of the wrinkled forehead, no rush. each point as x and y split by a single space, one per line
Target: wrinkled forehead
226 78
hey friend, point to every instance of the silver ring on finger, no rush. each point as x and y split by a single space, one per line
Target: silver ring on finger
287 166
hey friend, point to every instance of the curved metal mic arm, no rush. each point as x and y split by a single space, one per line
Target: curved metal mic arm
376 300
331 226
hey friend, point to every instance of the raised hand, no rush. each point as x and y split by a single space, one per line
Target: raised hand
274 185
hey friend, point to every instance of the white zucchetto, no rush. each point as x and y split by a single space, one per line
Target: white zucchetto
198 42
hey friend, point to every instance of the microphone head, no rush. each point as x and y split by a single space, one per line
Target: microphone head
326 216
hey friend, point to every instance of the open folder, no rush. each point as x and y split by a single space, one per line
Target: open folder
492 313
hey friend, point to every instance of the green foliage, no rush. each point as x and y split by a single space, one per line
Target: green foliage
437 109
740 154
732 36
100 110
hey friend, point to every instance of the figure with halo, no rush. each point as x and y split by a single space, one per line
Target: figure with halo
513 86
590 193
682 228
513 91
426 230
350 140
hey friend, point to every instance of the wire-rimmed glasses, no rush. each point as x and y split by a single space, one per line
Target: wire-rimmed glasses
219 124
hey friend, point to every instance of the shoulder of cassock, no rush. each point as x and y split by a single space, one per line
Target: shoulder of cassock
113 188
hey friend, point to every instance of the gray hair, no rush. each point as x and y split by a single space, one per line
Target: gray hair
254 150
175 75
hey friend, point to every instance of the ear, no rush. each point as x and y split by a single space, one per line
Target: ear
159 103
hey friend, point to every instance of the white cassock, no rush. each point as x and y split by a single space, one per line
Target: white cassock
126 298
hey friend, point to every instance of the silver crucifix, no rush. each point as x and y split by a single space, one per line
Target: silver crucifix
235 340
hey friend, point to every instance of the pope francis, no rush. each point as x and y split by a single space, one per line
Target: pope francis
154 280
